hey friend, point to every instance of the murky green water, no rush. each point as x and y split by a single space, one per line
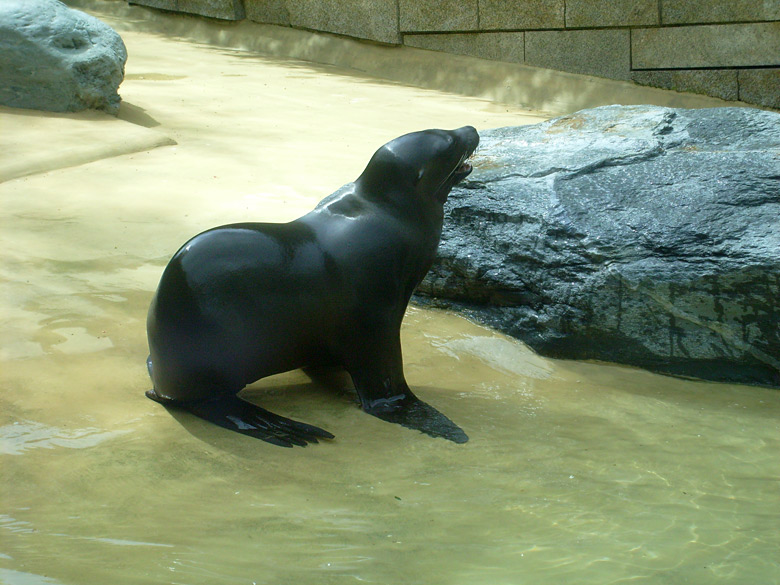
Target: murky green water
575 473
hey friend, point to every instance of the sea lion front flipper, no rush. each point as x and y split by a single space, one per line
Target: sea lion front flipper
233 413
412 413
377 372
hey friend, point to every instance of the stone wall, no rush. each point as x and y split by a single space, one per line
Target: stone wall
728 49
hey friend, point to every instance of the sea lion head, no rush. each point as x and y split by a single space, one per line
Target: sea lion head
425 165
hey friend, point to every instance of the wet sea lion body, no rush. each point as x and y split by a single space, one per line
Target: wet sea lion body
241 302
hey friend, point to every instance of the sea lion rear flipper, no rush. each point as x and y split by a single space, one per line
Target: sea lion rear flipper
235 414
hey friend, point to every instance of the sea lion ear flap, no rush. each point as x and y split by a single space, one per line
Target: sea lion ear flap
420 175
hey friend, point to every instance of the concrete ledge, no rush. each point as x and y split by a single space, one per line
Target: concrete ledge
604 53
722 83
438 15
268 11
589 14
704 11
760 86
375 20
496 46
161 4
47 141
222 9
225 9
521 14
720 46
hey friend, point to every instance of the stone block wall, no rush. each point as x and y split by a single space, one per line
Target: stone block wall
376 20
723 48
222 9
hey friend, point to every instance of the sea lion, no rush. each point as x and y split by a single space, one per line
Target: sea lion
244 301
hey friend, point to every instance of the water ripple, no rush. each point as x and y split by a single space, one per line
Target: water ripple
19 437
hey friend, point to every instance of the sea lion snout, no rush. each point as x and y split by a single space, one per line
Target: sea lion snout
469 136
466 140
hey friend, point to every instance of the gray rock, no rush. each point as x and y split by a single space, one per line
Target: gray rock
638 235
58 59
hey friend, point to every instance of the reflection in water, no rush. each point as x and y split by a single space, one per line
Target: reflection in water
20 578
18 437
575 472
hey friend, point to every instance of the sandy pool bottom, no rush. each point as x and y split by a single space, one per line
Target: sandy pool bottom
575 473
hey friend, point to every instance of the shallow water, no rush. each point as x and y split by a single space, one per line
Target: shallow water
575 472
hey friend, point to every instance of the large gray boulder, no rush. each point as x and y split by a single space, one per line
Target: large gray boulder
58 59
639 235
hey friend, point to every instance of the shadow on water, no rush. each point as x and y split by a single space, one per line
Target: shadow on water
286 399
329 394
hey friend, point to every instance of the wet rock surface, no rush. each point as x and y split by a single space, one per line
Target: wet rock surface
639 235
58 59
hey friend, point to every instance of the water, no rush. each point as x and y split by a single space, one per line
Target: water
575 472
